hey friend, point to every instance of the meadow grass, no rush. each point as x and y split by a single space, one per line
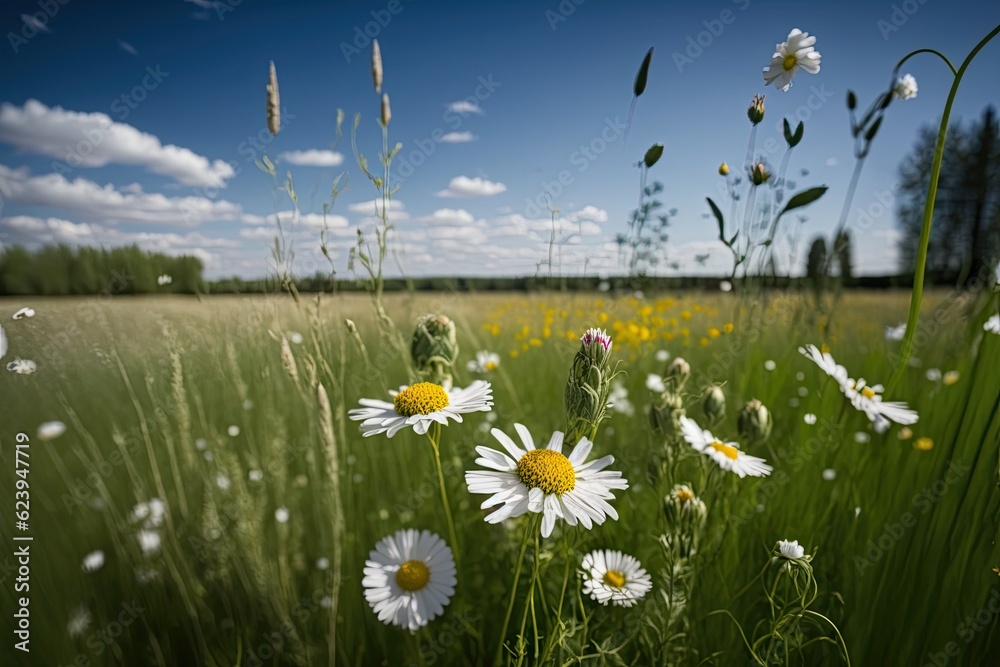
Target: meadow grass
149 388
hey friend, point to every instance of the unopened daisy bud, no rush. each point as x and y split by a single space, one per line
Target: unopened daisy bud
665 415
723 169
713 404
754 422
677 374
273 103
386 111
376 66
759 174
684 510
434 349
588 385
755 112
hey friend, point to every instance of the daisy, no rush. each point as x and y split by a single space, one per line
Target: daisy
611 576
992 325
22 366
281 515
826 363
409 578
895 333
618 399
51 430
869 400
809 418
149 541
791 56
93 561
655 383
905 88
727 455
421 405
485 362
545 481
79 621
790 550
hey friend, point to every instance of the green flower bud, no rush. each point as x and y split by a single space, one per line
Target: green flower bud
665 415
755 112
677 374
685 514
759 174
713 404
588 385
434 349
754 422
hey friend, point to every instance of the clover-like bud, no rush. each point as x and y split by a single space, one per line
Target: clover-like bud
665 415
713 404
434 349
759 174
588 385
677 374
755 112
684 511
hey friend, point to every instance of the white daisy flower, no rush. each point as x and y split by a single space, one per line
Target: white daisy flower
322 563
409 578
233 431
22 366
829 474
51 430
281 515
809 418
869 400
769 365
139 512
157 511
149 541
655 383
24 312
791 550
164 280
611 576
545 481
485 362
933 374
421 405
255 475
93 561
895 333
201 444
618 399
992 325
295 337
791 56
662 356
726 286
861 437
727 455
905 87
826 363
222 482
79 621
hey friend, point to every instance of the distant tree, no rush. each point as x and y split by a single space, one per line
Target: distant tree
816 263
842 245
965 236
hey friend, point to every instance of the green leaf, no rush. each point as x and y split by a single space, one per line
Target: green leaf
718 216
643 74
787 130
804 198
870 134
653 155
799 131
852 100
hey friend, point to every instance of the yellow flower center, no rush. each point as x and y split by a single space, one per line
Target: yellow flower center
924 444
422 398
684 495
547 470
614 578
491 365
867 392
729 452
789 62
412 575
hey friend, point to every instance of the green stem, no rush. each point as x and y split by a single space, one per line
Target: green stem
906 349
530 525
530 603
434 435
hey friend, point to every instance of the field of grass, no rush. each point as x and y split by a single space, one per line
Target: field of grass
272 502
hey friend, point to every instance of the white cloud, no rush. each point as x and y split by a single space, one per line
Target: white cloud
449 216
107 204
94 140
588 213
313 158
465 107
372 207
458 137
463 186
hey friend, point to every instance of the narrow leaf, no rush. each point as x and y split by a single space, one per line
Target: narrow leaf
718 216
803 198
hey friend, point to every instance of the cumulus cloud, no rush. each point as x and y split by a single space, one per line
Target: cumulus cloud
313 158
466 107
108 204
458 137
463 186
449 216
94 140
371 209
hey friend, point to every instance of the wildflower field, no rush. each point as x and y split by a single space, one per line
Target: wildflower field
209 500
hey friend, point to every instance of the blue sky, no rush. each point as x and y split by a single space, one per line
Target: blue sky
139 122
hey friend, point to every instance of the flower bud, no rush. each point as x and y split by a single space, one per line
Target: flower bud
684 511
759 174
588 385
665 415
273 103
754 422
376 66
723 169
434 349
677 374
755 112
713 404
386 111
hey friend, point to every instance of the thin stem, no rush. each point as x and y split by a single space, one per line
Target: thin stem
906 349
530 603
530 525
848 200
434 435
